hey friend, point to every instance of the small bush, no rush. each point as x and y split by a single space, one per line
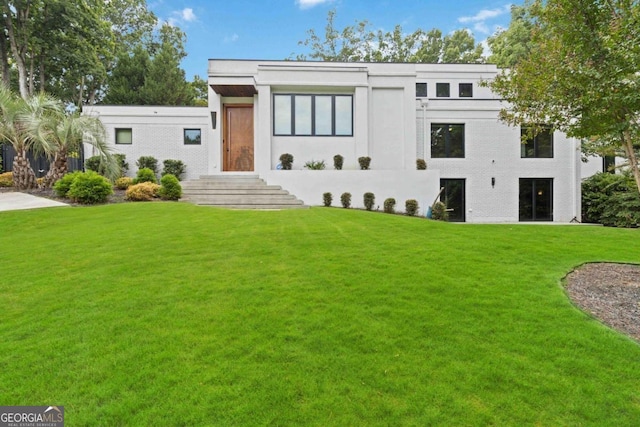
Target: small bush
123 183
92 164
174 167
622 210
171 188
338 160
421 164
286 160
364 162
315 165
62 186
148 162
390 205
369 200
6 179
439 212
345 199
411 207
90 188
327 198
143 192
145 175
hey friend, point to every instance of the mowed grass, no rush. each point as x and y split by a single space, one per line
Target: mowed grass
172 314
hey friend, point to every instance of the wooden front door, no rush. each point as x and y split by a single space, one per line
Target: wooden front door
237 144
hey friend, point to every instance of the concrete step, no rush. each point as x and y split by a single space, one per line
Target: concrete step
242 199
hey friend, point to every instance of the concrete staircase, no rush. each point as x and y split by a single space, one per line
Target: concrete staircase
238 191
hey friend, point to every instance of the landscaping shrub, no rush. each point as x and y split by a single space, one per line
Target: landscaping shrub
90 188
122 162
389 205
145 175
369 200
327 198
1 160
174 167
365 162
421 164
6 179
622 210
62 186
315 165
148 162
170 188
345 199
411 207
286 160
92 164
597 193
143 192
439 212
123 183
338 160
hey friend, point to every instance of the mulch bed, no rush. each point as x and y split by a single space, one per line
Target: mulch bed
609 292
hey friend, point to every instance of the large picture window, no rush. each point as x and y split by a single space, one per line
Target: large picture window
312 115
536 199
447 140
539 146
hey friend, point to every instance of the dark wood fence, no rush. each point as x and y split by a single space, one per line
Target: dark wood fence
39 164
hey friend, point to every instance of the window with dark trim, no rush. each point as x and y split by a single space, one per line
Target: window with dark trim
124 136
609 164
538 146
465 90
421 90
536 199
192 137
447 140
312 115
443 90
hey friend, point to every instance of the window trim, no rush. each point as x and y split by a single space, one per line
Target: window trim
313 133
447 146
184 136
534 141
534 203
116 132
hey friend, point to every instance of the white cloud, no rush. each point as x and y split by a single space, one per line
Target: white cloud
480 18
188 15
232 38
306 4
183 16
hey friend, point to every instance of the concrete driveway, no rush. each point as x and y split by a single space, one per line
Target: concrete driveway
13 200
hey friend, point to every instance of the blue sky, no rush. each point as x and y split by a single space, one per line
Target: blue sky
252 29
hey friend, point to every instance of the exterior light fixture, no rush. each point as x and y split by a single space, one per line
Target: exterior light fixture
214 119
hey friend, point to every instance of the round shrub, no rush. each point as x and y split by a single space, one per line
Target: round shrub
174 167
369 200
6 179
145 175
90 188
338 160
411 207
62 186
364 162
421 164
345 199
148 162
170 189
286 160
143 192
389 205
123 183
439 212
327 198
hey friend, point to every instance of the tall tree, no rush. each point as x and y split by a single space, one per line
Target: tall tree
200 89
509 45
581 74
127 78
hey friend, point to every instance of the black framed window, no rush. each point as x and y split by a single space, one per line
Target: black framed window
124 136
192 136
536 199
421 90
465 90
447 140
312 115
443 90
453 196
538 146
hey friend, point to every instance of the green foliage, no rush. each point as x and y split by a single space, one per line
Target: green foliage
338 161
1 158
148 162
508 46
122 163
123 183
6 179
170 188
345 200
421 164
364 162
90 188
327 198
62 186
127 78
411 207
390 205
369 201
92 163
315 165
623 210
174 167
145 175
142 192
610 199
439 212
286 160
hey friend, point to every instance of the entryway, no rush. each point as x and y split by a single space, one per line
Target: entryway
453 198
237 143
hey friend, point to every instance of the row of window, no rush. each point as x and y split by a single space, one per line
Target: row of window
312 115
443 90
124 136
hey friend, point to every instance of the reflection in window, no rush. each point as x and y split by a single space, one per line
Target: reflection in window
192 137
447 140
538 146
323 115
465 90
314 115
343 113
303 115
421 90
282 115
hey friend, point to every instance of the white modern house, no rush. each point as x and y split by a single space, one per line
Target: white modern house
392 113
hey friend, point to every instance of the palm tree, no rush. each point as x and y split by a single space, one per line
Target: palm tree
64 133
17 118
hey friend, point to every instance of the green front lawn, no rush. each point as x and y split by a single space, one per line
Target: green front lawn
173 314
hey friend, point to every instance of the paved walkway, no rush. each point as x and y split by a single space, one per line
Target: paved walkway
14 200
